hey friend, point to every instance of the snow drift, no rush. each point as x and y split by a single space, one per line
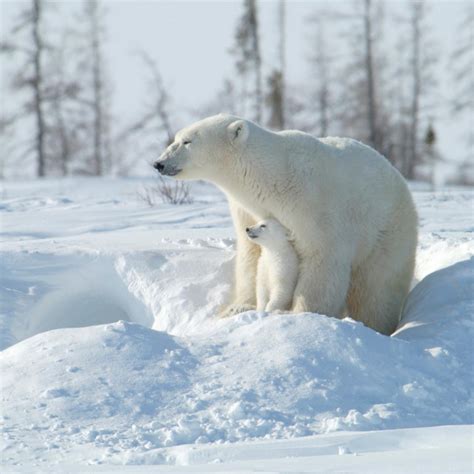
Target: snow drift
115 355
253 376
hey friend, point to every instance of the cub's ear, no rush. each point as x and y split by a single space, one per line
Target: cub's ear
238 132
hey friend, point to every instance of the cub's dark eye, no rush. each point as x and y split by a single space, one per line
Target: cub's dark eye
186 142
263 226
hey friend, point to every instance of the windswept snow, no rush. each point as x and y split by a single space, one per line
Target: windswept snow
113 352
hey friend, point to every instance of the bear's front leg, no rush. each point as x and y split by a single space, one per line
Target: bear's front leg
245 277
322 286
262 296
280 298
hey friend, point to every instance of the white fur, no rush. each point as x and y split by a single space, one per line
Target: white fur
352 215
277 269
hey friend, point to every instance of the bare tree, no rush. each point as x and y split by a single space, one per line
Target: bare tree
65 118
68 94
155 119
282 50
462 67
153 128
416 16
416 80
362 111
431 156
462 63
161 97
37 85
274 100
320 64
94 18
7 141
248 58
275 97
29 75
369 69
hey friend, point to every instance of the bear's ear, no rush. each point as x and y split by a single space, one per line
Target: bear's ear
238 132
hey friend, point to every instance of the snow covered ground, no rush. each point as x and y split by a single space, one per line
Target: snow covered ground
112 354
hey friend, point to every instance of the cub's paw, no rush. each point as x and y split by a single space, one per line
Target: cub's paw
234 309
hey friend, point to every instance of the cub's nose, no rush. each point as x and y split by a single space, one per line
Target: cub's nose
247 229
158 166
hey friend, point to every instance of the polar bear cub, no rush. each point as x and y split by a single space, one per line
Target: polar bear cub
277 269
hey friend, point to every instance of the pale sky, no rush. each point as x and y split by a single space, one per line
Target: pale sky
191 40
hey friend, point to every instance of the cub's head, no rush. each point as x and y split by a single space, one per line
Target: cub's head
268 232
200 150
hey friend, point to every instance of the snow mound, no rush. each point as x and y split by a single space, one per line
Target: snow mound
164 290
126 386
113 352
56 291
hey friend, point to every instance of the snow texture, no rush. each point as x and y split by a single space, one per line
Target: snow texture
113 353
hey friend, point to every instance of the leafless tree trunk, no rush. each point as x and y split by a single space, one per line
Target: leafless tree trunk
369 69
282 55
97 85
413 154
462 63
462 66
65 151
37 84
274 100
29 75
63 90
255 45
363 109
322 66
248 57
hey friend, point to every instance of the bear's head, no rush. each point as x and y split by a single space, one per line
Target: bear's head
202 149
269 233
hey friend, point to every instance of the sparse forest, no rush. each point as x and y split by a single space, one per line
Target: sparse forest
64 90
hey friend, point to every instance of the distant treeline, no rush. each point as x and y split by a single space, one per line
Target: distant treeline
378 88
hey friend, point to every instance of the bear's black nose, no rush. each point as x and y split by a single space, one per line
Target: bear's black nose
158 166
247 229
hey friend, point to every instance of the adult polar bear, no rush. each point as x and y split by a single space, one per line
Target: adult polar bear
352 215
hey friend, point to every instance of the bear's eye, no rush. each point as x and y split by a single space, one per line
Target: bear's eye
263 226
186 142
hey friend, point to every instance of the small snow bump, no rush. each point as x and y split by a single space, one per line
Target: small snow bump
415 390
90 435
341 450
348 319
155 425
120 326
55 393
236 411
202 440
437 352
354 418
